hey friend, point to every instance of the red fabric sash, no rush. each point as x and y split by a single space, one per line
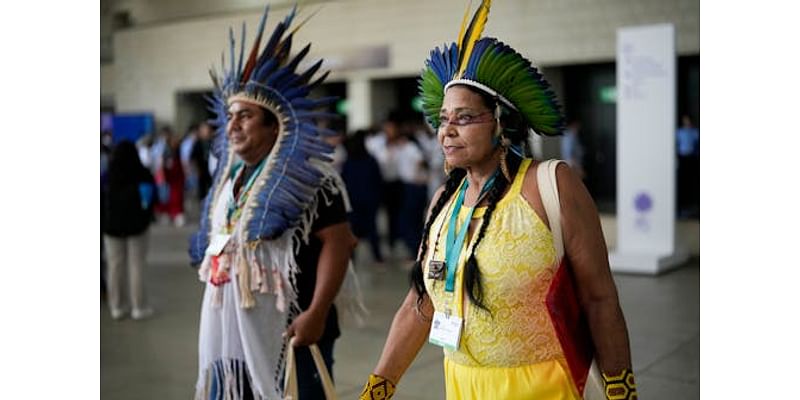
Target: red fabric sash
570 324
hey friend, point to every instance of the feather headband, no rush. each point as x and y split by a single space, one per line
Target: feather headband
494 68
270 78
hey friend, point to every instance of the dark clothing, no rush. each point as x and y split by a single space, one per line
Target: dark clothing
125 212
393 202
362 176
688 186
412 214
199 158
308 257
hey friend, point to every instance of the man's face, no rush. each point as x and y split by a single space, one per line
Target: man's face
249 135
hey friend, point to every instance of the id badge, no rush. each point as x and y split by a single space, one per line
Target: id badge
217 244
446 330
436 270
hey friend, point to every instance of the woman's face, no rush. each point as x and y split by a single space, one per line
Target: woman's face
466 128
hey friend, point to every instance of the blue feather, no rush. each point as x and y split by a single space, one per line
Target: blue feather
304 102
264 70
290 16
305 76
319 80
277 76
273 41
241 51
301 91
233 51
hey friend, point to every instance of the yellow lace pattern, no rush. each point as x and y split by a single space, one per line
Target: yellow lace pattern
517 262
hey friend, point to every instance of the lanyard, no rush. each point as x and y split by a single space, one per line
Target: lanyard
243 192
454 244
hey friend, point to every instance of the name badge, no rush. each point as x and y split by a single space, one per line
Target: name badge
436 270
446 330
217 244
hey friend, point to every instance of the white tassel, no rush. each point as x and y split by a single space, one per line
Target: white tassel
280 301
205 269
217 296
243 273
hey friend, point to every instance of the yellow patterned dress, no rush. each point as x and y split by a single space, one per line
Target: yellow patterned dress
513 353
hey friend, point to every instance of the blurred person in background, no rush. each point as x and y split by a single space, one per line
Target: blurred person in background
127 211
274 244
362 176
106 143
688 145
186 146
399 160
339 151
572 149
432 152
412 168
489 266
199 159
105 155
144 148
170 179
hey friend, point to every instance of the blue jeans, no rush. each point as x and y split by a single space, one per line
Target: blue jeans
309 383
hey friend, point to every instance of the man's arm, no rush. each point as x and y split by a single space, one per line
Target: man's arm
338 243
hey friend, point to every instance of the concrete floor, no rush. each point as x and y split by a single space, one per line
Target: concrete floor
157 358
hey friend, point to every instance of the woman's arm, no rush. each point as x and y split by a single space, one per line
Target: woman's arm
585 247
408 333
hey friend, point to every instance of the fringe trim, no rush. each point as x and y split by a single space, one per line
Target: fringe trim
263 266
230 376
244 275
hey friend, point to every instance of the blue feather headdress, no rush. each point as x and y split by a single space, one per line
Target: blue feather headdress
496 69
269 78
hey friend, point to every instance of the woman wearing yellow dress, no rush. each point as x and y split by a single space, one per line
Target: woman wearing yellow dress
486 285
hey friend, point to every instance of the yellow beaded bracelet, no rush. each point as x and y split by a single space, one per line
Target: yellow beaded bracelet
620 386
377 388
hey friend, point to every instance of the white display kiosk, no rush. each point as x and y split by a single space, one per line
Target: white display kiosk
646 161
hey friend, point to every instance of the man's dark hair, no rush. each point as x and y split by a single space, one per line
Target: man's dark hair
269 118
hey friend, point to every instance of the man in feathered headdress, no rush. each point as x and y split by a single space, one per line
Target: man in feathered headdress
274 243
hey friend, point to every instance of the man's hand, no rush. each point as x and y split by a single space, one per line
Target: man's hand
307 328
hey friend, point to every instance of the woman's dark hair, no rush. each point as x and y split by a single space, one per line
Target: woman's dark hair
124 166
516 132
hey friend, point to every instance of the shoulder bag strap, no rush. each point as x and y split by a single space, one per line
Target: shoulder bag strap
548 191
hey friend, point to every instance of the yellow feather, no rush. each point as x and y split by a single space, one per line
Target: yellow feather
480 18
304 21
463 26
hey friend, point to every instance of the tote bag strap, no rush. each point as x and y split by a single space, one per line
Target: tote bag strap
548 191
290 379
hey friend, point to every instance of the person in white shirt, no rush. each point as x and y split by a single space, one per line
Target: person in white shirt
403 167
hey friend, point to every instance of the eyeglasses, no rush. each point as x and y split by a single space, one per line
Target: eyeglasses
464 119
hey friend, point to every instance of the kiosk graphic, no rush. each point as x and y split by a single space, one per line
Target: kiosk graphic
643 203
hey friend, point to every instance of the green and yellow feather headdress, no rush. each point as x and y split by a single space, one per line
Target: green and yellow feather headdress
494 68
